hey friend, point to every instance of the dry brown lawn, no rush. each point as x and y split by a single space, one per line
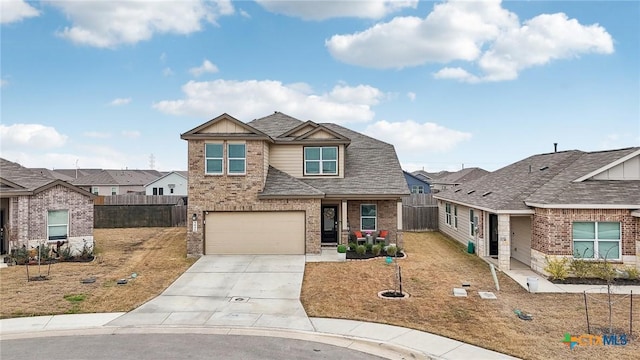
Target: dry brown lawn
156 255
436 264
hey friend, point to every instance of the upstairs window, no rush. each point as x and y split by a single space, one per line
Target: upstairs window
237 158
417 189
321 160
57 224
95 190
213 159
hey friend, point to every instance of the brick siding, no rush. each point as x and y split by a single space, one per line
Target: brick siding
387 217
552 228
28 217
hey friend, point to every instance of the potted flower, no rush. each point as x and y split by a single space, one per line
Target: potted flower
342 252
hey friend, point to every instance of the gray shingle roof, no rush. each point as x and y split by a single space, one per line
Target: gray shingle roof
22 176
461 176
548 179
279 183
118 177
371 166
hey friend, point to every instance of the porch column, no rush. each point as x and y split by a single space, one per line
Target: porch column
344 231
504 241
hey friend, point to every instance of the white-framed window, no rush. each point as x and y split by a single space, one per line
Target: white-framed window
57 225
455 216
473 222
237 159
114 190
95 190
321 160
596 240
213 158
417 189
368 217
447 213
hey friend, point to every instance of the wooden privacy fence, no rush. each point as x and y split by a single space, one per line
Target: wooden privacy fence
124 216
419 213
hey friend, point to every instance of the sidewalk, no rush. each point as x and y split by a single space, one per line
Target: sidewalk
387 341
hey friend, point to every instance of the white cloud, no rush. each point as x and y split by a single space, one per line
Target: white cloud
411 96
167 71
131 134
107 24
244 14
251 99
120 101
97 134
16 10
479 32
206 67
410 137
163 57
321 10
31 136
4 82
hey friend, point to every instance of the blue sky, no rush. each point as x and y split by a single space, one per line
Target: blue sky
106 84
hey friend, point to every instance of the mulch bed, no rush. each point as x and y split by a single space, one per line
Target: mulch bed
352 255
596 281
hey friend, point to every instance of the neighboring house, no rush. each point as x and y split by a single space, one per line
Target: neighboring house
278 185
570 204
173 183
427 176
117 182
35 209
415 184
446 180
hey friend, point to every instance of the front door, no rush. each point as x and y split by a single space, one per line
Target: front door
493 235
329 224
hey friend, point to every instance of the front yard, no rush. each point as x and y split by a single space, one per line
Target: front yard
434 266
348 290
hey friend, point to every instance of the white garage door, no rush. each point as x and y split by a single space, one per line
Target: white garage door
275 232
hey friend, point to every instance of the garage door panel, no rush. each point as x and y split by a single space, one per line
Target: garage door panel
279 232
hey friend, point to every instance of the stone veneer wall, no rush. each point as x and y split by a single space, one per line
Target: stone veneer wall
239 193
387 211
28 217
552 233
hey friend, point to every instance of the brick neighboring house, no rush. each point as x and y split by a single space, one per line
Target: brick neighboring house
562 204
278 185
36 208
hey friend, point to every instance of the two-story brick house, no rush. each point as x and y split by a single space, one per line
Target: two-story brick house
278 185
38 209
571 204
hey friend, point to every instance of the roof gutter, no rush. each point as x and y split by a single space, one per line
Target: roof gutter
504 211
583 206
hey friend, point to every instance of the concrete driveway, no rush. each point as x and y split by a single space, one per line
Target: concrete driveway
230 290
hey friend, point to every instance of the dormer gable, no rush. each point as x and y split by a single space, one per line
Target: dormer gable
300 130
625 168
225 126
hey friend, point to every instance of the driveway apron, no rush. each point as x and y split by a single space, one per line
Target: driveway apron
230 290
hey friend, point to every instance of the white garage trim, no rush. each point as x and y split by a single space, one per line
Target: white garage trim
256 233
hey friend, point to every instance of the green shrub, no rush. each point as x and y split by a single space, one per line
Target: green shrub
342 248
392 250
369 247
375 250
581 268
557 268
20 255
352 246
86 252
361 249
605 270
633 272
66 253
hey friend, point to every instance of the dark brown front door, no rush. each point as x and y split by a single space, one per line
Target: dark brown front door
493 235
329 224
